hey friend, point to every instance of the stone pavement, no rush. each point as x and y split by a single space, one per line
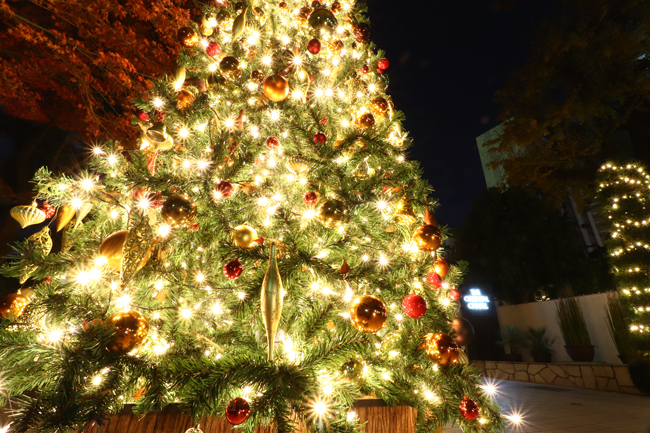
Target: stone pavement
556 409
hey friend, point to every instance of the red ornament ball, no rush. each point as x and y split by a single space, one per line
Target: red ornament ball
310 198
272 142
364 69
142 115
237 411
454 294
383 63
224 188
47 209
160 116
233 269
468 409
434 279
320 138
212 49
414 306
313 46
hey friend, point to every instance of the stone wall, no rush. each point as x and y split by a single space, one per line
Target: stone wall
602 377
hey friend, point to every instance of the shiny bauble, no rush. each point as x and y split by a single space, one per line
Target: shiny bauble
214 79
414 306
303 14
298 164
276 88
283 5
187 37
244 236
365 121
320 138
368 313
178 211
464 331
223 15
257 76
233 269
224 188
441 267
213 48
310 198
48 209
323 19
336 7
184 98
427 238
230 68
361 33
130 330
313 46
454 294
27 215
404 211
239 7
468 408
272 142
237 411
260 15
379 106
111 249
441 349
352 369
12 305
336 46
364 69
333 213
383 64
434 279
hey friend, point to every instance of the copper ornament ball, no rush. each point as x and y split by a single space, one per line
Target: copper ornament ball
233 269
187 37
368 313
441 349
178 211
427 238
257 76
184 98
336 46
468 408
237 411
361 33
244 236
224 188
276 88
379 105
464 331
310 198
441 267
13 305
230 68
272 142
323 19
332 213
336 7
365 121
303 14
130 330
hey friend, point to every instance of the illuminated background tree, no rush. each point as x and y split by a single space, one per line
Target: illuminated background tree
268 250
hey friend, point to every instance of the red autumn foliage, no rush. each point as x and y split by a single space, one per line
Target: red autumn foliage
79 64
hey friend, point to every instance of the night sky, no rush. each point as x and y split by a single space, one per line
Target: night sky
448 57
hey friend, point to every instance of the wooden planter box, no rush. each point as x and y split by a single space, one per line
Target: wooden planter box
380 418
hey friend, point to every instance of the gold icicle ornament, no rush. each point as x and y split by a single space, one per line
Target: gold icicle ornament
271 300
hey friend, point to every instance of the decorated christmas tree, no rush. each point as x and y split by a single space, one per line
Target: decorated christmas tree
265 251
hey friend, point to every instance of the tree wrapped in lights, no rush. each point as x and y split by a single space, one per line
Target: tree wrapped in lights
623 189
267 252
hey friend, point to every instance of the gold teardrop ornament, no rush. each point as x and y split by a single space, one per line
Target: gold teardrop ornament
271 300
27 215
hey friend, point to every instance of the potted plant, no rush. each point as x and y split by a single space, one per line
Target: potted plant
574 330
618 329
511 338
540 346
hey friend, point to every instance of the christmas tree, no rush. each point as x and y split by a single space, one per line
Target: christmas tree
623 190
264 252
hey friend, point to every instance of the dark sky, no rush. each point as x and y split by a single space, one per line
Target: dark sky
448 57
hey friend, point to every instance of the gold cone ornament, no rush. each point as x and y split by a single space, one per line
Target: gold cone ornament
271 300
27 215
41 242
404 211
66 213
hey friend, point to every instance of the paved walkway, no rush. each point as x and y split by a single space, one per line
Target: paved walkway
555 409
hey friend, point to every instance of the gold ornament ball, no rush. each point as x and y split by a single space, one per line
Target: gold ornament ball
276 88
464 331
130 330
323 19
12 305
368 313
187 37
378 106
427 238
229 67
244 236
441 267
441 349
184 98
332 213
178 211
352 369
365 121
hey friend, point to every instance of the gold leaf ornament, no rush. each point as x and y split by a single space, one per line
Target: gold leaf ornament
271 300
